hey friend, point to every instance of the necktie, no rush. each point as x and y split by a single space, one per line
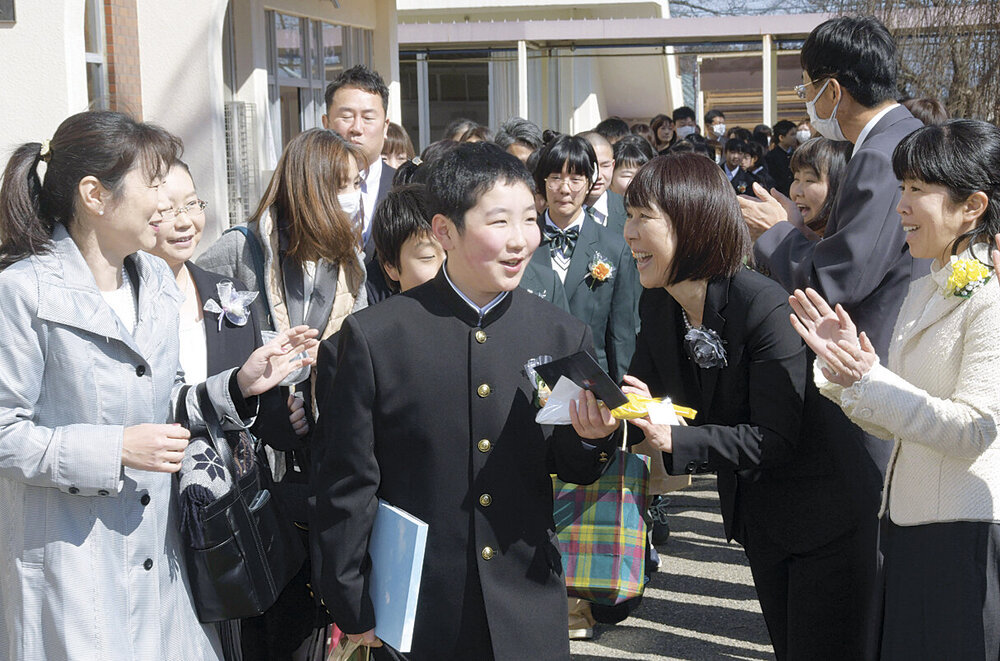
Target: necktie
561 241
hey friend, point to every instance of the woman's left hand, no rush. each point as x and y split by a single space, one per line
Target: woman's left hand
590 418
833 337
272 362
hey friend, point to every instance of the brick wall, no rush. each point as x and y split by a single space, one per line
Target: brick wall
121 27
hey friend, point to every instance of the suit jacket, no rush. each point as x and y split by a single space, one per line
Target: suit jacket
431 410
229 348
937 399
862 261
616 213
742 181
778 163
376 284
609 307
544 283
759 425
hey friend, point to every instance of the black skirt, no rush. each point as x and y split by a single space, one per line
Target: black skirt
942 592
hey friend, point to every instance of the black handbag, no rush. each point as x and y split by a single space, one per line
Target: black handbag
240 549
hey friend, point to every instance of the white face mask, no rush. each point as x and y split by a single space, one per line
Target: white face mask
350 203
829 128
719 130
684 131
803 136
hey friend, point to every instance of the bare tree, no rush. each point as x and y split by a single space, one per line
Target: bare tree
948 50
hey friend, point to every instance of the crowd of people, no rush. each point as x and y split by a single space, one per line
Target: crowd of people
821 292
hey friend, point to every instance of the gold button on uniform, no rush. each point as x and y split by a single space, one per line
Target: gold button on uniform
603 457
484 390
488 553
485 500
484 445
481 336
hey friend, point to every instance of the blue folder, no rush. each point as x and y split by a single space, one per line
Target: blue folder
396 549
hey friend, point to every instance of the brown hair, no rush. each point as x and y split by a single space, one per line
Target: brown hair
396 141
303 191
928 110
827 158
712 238
102 144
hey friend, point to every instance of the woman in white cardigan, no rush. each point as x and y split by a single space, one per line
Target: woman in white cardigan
938 399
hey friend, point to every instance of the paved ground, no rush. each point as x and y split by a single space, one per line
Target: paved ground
700 606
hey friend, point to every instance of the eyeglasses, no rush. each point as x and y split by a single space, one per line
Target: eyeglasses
575 182
192 209
800 90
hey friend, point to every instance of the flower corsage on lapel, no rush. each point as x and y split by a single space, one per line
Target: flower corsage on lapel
599 270
542 391
232 304
967 275
704 346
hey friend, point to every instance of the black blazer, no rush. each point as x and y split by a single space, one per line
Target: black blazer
431 410
230 347
376 282
862 261
610 307
759 423
778 163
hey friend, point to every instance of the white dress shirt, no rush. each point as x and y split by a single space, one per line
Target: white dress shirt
481 311
560 261
600 209
369 195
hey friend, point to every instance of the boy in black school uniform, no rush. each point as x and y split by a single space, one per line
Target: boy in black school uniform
431 410
404 242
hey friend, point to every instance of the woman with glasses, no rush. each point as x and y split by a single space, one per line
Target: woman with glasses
90 544
591 261
301 251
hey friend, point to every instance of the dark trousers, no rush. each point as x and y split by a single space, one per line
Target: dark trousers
819 604
942 593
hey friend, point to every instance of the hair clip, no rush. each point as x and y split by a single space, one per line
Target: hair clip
46 151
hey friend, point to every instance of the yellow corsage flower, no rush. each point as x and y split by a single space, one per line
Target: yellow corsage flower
599 270
967 275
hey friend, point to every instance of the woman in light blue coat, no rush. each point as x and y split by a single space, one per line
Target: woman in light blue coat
91 565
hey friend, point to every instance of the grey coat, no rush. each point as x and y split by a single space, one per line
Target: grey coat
90 558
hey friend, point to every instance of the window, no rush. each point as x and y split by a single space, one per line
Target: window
304 55
96 55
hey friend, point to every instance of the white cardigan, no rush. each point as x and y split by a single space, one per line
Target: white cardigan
939 400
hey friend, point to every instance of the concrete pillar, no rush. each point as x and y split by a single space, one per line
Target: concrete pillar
770 87
522 79
386 55
423 102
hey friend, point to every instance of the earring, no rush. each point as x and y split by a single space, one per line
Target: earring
101 212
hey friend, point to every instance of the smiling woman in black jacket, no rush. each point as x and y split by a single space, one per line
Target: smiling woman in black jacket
714 336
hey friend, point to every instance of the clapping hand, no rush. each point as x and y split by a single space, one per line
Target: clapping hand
763 212
659 435
272 362
832 335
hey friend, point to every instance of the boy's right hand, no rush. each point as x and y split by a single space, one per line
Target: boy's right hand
368 638
297 411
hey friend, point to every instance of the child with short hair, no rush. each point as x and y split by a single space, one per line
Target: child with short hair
431 409
404 242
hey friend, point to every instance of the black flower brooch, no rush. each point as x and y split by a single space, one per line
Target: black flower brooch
703 345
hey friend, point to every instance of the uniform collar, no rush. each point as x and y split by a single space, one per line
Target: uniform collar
471 313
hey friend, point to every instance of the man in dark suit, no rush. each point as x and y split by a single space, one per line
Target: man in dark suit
862 263
431 409
357 105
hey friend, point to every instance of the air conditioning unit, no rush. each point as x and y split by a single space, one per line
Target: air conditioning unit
242 172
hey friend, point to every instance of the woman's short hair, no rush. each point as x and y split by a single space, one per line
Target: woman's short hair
712 237
826 158
397 141
571 151
303 191
963 155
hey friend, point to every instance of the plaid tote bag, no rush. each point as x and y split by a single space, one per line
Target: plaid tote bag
602 533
